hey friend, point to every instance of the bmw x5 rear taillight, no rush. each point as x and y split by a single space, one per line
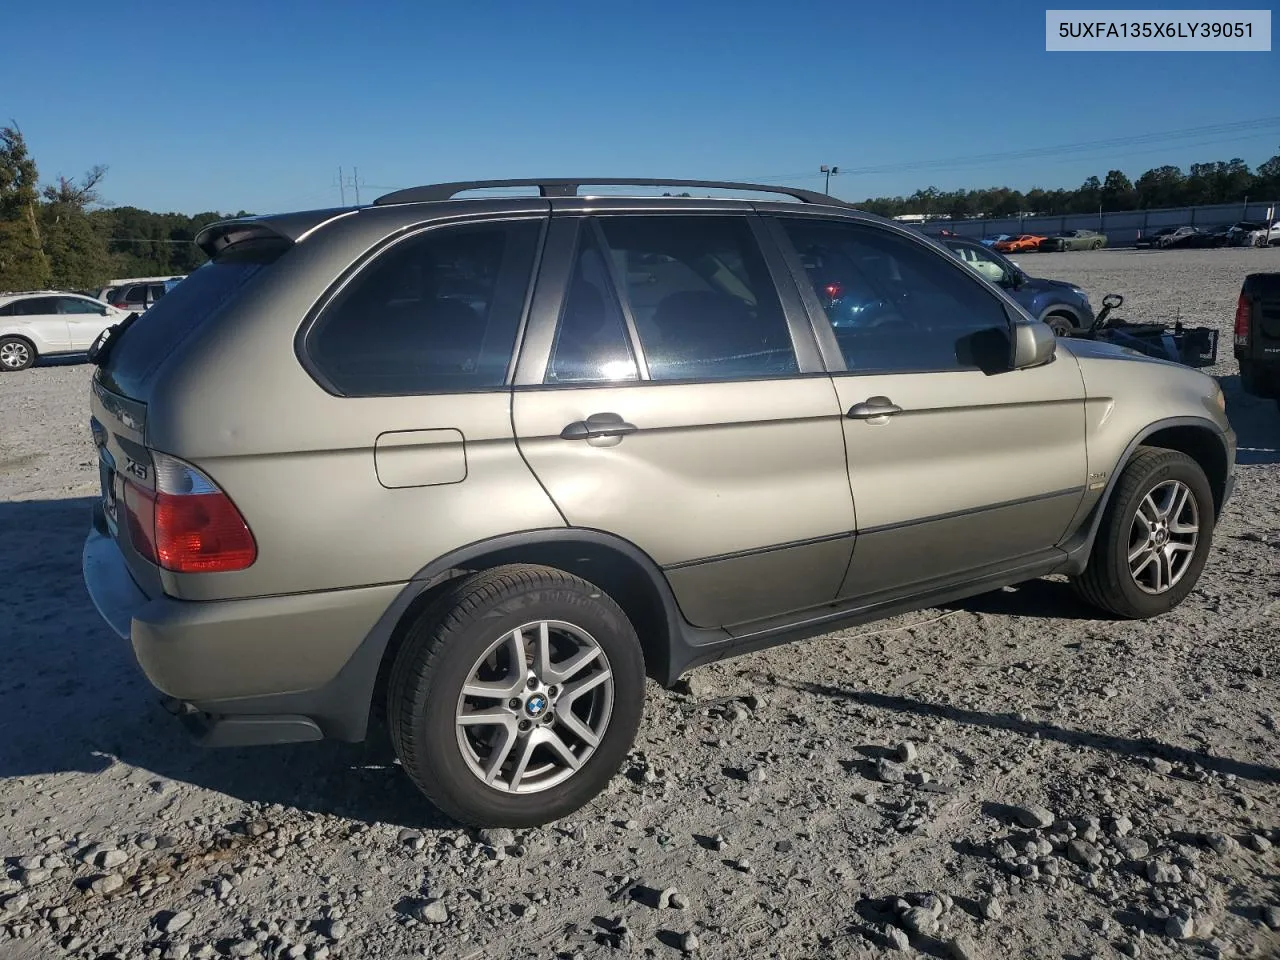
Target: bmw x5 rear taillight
187 524
1242 321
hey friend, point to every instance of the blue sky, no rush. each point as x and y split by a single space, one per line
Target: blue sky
254 105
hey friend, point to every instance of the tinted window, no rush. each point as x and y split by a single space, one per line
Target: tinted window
701 297
592 343
35 307
76 305
896 305
156 334
435 313
156 290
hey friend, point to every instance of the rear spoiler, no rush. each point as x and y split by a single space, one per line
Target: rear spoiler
289 227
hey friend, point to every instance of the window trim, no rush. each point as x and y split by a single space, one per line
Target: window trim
302 335
821 323
553 280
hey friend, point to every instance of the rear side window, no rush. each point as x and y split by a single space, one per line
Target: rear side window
190 306
435 313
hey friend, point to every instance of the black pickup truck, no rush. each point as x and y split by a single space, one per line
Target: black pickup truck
1257 335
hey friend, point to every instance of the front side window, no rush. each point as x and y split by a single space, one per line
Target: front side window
437 312
701 297
77 306
896 305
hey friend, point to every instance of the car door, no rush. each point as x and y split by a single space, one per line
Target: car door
85 320
958 464
47 326
670 392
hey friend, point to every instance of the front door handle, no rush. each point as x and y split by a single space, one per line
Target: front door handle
873 407
598 425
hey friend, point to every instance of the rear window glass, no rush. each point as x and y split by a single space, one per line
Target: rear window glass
188 307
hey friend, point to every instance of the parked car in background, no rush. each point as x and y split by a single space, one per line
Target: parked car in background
45 323
142 296
1063 306
1022 243
1257 335
1247 233
992 241
1167 237
1273 234
1074 240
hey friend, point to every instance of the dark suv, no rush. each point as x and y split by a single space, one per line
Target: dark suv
1257 335
1063 306
477 466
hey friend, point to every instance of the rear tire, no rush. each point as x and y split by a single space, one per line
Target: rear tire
470 636
16 354
1144 567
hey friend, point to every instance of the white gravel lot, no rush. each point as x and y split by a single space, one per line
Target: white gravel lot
756 793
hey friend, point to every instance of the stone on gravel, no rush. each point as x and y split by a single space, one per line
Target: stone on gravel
920 920
1163 767
990 908
432 911
963 947
337 930
664 897
888 772
1271 917
898 939
107 883
1163 873
497 837
1135 848
906 752
1180 927
109 859
1085 854
173 922
1119 826
1221 843
1034 816
689 942
1259 843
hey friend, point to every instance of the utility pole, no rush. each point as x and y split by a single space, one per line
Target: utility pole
355 182
830 172
342 187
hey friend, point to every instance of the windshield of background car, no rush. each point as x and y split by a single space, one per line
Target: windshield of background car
189 306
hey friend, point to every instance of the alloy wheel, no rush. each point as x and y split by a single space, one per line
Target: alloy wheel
534 707
14 355
1163 537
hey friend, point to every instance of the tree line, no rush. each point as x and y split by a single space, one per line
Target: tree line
61 236
1166 186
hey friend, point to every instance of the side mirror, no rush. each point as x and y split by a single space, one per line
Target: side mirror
1034 344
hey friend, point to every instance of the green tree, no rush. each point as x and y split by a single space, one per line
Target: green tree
1118 192
23 265
73 242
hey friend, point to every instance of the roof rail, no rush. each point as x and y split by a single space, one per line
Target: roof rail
568 187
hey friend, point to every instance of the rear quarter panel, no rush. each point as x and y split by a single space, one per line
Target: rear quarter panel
300 463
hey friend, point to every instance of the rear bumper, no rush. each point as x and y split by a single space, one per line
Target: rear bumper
240 672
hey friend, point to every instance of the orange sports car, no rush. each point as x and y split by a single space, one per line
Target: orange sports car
1022 242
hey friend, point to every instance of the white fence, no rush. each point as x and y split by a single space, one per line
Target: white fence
1122 227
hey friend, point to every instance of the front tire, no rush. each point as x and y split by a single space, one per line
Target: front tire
516 696
16 354
1060 325
1154 539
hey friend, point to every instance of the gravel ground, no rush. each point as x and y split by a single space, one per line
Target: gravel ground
1010 776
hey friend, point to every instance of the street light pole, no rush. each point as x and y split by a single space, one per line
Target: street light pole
830 172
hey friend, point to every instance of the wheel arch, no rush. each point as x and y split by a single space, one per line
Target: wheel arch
617 566
1197 437
1065 310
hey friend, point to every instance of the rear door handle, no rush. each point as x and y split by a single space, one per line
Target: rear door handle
598 425
873 407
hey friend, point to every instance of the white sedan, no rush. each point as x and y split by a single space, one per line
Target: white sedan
45 323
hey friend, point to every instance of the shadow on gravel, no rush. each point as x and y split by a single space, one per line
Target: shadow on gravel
1034 598
1145 748
1256 423
72 699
